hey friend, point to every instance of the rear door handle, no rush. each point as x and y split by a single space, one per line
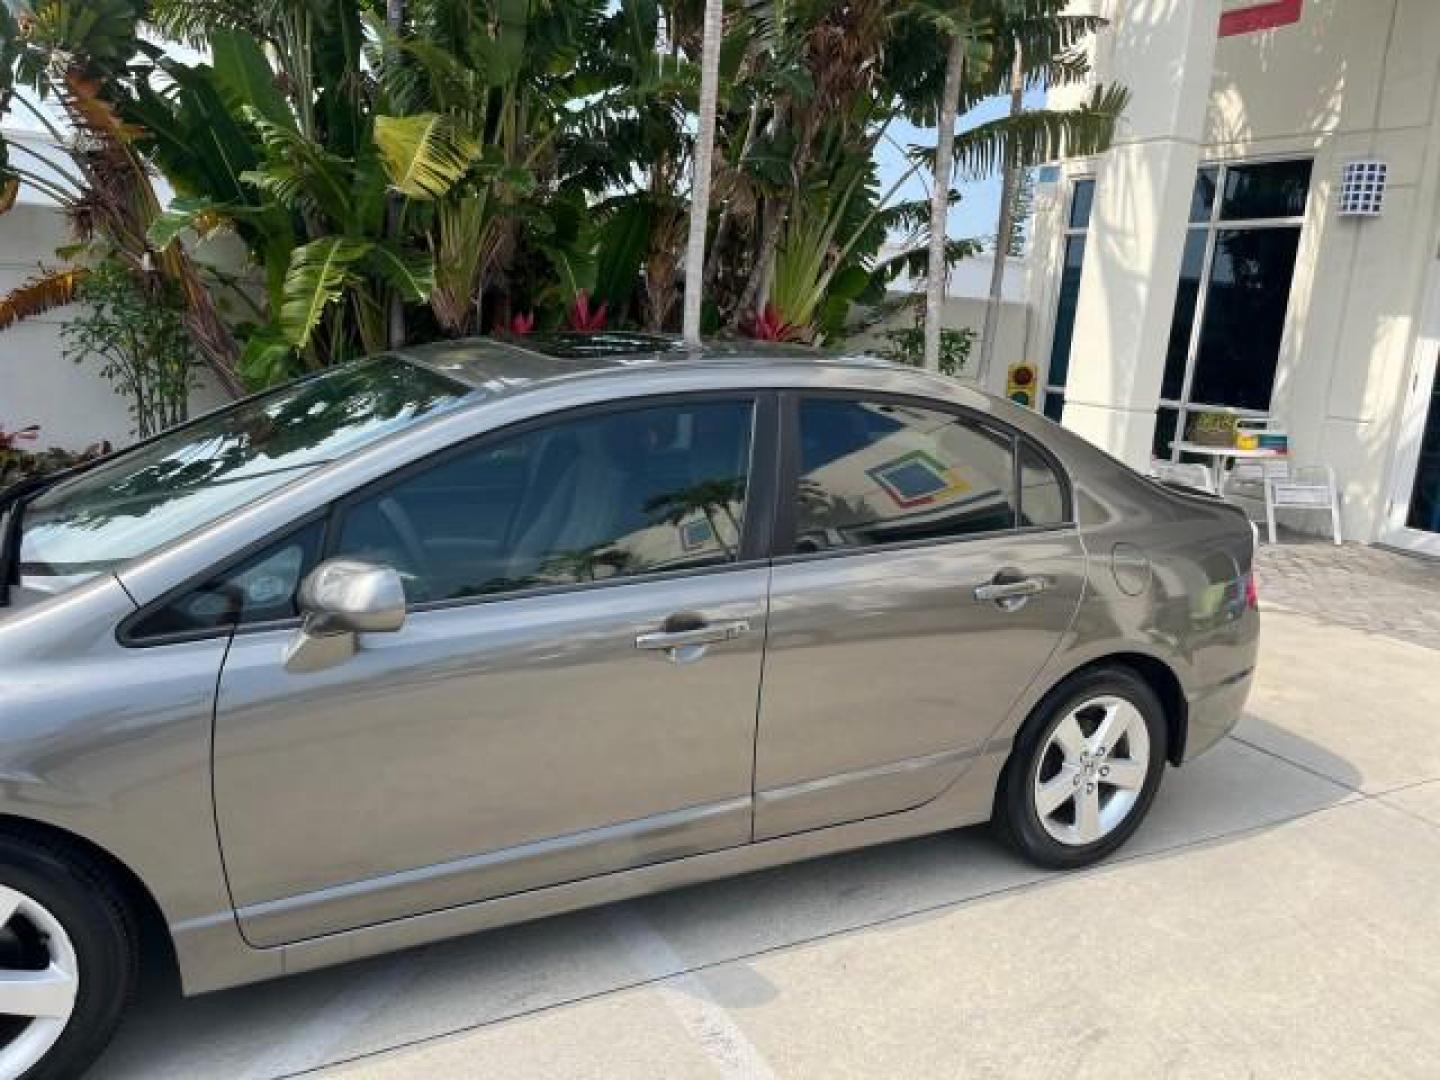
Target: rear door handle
708 634
1001 591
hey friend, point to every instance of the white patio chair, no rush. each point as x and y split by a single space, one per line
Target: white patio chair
1283 486
1191 474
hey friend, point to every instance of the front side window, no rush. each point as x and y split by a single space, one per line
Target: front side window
196 474
875 472
586 499
260 588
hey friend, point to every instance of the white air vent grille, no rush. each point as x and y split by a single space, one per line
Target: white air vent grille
1362 189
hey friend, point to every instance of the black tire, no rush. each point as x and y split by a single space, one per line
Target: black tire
1016 817
80 895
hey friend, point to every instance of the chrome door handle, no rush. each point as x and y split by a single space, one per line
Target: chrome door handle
700 635
1011 590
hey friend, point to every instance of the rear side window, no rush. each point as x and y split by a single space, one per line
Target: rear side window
878 472
260 588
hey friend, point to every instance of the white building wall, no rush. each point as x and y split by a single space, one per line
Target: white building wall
1354 78
70 401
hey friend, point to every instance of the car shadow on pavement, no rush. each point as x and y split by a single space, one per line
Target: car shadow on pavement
283 1027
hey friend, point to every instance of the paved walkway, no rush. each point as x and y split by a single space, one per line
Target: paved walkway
1366 588
1275 916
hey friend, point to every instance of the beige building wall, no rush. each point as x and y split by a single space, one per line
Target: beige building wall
1353 79
1014 342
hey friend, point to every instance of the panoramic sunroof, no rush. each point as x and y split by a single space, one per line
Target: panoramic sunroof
581 346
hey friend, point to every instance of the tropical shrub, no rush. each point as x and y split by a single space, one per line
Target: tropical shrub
906 345
137 339
433 168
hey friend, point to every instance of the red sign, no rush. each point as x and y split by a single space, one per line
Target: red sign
1252 18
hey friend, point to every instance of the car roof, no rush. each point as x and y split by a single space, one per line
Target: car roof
504 364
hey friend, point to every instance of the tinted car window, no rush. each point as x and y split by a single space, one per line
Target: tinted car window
874 473
260 588
196 474
586 499
1042 493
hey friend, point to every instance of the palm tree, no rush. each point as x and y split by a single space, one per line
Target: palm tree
1010 176
1038 45
702 164
956 26
988 41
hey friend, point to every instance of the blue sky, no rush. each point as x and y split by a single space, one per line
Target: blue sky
980 200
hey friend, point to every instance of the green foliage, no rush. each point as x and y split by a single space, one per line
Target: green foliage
475 160
907 346
135 333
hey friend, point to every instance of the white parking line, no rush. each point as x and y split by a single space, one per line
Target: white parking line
686 996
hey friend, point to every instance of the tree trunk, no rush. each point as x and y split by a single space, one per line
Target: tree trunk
935 272
703 162
990 328
395 314
757 284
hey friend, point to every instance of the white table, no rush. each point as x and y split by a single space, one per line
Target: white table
1223 455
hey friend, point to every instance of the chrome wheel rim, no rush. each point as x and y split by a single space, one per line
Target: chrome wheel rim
1092 770
39 977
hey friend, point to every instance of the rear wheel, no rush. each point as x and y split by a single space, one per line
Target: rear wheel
1085 769
67 960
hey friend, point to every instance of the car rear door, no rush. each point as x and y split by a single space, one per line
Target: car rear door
574 691
927 567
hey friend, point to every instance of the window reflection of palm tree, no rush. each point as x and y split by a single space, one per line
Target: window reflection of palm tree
584 563
706 497
292 421
823 509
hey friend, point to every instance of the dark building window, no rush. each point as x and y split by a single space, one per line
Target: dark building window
1233 295
1082 198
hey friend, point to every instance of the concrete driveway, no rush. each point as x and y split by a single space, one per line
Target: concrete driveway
1278 915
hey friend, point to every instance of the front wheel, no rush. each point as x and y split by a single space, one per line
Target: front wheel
67 959
1085 769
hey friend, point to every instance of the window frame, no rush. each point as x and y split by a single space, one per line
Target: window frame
757 529
1068 232
786 521
126 634
1212 225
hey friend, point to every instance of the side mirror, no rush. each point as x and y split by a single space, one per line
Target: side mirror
339 599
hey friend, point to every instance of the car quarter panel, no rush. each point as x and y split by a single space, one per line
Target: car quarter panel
113 745
1167 580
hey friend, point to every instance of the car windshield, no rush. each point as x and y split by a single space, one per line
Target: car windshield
196 474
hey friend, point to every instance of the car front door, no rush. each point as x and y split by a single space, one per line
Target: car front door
574 690
934 568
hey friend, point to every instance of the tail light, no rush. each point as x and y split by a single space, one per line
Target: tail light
1252 592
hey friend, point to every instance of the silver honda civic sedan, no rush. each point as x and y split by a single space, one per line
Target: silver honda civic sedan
485 631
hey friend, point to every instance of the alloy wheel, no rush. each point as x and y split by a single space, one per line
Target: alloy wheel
1092 770
39 978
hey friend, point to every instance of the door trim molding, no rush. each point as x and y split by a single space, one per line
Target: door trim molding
558 860
896 785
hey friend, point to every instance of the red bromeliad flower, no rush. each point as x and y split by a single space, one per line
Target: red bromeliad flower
9 439
522 323
767 325
583 318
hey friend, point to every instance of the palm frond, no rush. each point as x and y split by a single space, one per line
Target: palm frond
424 155
411 273
319 272
39 294
1035 136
